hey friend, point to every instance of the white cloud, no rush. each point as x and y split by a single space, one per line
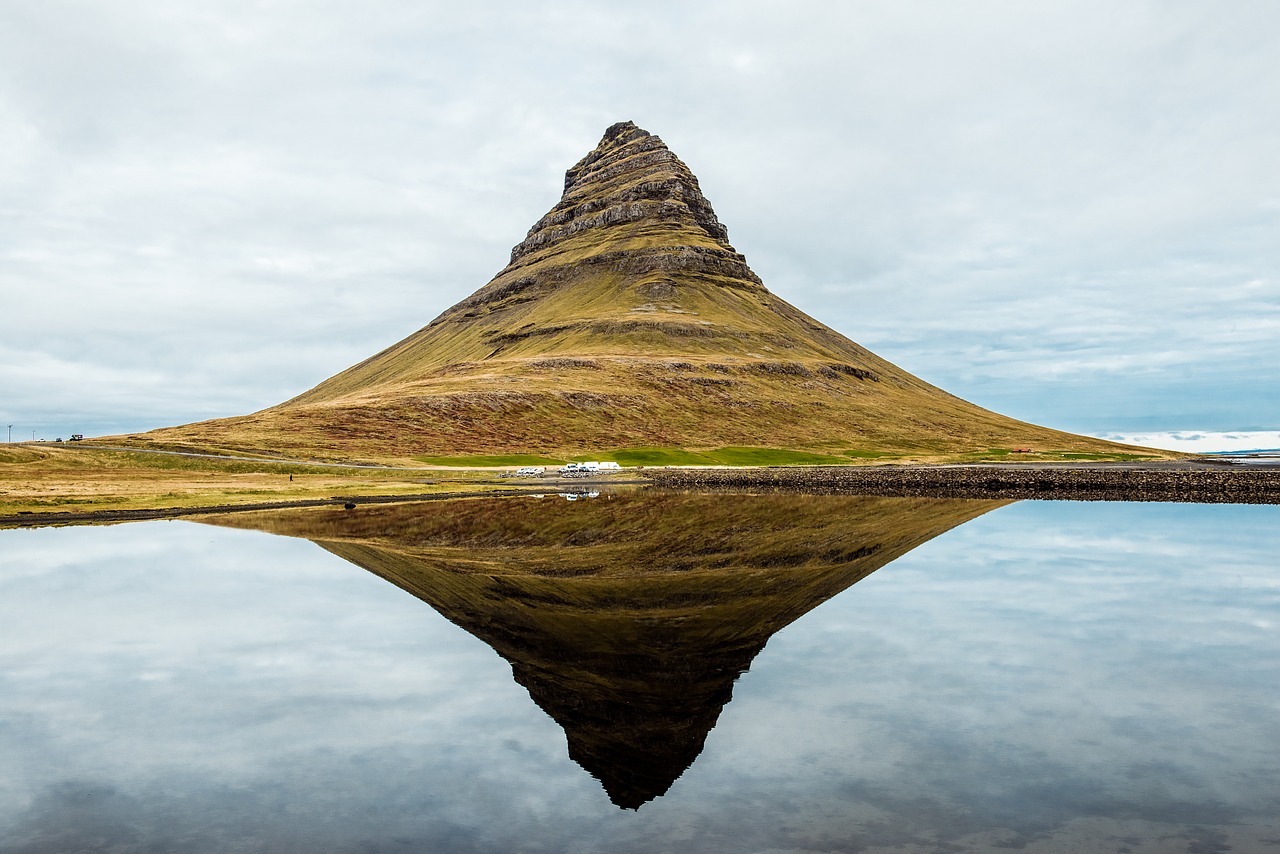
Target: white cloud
1201 442
1023 203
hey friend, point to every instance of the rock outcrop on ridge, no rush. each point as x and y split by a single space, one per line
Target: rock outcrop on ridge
624 318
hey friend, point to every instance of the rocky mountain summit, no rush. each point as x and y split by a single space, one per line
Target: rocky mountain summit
624 319
602 190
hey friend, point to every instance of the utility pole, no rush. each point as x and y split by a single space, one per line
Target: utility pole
11 433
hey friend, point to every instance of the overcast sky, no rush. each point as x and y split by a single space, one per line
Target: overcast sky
1065 211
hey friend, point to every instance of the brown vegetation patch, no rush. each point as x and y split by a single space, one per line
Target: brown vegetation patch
456 368
585 399
835 368
566 362
522 334
496 401
793 369
665 327
659 290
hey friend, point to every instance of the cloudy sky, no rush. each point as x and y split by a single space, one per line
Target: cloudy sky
1065 211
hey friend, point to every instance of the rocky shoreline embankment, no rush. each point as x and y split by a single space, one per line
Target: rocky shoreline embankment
1204 483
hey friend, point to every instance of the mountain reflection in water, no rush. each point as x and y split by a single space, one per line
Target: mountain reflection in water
629 617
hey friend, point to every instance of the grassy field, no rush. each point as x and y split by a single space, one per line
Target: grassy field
735 456
759 456
36 479
46 478
490 460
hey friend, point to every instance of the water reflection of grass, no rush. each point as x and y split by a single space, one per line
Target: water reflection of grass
634 535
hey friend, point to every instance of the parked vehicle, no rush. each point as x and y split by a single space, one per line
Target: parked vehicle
530 471
591 466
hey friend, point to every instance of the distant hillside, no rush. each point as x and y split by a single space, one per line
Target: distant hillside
625 319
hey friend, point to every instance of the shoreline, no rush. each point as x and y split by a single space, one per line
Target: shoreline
1186 481
1190 481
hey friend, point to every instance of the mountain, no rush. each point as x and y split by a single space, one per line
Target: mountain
628 618
624 319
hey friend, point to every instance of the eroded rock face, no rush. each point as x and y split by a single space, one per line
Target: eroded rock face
630 176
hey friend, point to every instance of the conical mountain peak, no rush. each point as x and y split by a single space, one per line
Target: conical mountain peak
617 137
624 318
629 177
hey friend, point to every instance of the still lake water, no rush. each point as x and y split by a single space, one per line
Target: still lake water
1041 676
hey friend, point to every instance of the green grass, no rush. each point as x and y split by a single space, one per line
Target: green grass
492 460
772 457
651 456
175 462
1067 455
19 455
728 456
63 502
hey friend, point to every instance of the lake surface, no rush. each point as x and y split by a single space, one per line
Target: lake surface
647 673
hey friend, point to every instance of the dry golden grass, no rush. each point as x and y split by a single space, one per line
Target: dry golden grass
628 403
56 479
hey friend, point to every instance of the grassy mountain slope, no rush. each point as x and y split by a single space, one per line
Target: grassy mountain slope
625 318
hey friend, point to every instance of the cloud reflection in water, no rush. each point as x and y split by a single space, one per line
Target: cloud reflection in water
1047 676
